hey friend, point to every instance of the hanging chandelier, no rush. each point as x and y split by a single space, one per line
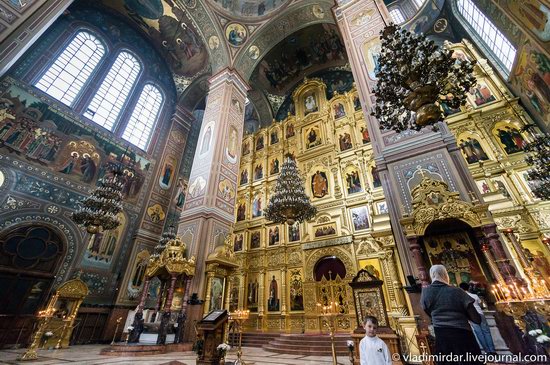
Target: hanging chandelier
99 211
166 237
539 159
415 76
289 202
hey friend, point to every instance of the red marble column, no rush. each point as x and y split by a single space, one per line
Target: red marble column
503 263
419 261
170 296
144 294
186 295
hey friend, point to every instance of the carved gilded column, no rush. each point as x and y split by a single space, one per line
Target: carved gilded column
261 294
283 291
209 277
227 291
243 284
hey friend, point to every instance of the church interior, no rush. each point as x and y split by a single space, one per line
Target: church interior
246 181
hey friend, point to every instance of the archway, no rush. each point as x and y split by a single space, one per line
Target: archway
329 267
30 257
454 244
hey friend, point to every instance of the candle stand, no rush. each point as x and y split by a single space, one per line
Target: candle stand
238 317
329 314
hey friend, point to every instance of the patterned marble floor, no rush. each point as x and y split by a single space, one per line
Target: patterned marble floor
89 355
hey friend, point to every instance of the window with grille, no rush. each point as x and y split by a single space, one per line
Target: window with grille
143 119
397 16
67 75
419 3
109 99
497 43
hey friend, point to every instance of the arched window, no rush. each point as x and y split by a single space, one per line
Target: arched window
109 99
497 43
419 3
397 16
70 71
144 116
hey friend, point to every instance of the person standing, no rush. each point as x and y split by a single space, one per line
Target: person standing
481 331
451 309
372 349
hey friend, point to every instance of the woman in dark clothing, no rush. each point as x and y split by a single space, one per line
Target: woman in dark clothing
450 308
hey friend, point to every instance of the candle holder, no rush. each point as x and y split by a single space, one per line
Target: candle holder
119 319
329 314
238 317
44 317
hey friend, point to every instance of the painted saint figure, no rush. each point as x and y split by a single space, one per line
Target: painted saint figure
319 184
273 301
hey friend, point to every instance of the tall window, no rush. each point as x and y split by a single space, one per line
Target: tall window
115 88
70 71
397 16
419 3
144 116
499 45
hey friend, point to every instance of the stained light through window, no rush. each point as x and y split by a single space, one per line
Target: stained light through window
143 119
67 75
109 99
397 16
499 45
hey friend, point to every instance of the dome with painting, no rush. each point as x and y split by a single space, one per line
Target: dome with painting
249 8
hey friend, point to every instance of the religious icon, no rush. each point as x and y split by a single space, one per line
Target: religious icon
257 207
353 182
273 301
313 138
69 165
319 184
375 177
232 146
485 187
294 232
206 140
246 148
472 150
382 207
236 34
290 131
241 212
216 293
482 94
226 190
365 135
447 110
511 139
273 236
339 110
274 167
356 102
296 291
258 172
260 143
168 171
238 243
274 138
197 187
345 142
501 188
88 168
310 104
244 177
252 295
255 238
360 218
180 194
156 213
325 230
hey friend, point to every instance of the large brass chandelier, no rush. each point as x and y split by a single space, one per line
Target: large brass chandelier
99 211
289 202
415 76
539 159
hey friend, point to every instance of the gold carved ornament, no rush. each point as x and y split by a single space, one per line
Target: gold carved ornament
432 201
171 261
224 255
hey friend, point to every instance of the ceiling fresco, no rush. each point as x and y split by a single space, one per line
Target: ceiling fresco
308 50
172 31
249 8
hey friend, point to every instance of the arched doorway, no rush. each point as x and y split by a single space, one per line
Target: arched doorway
29 259
454 244
332 289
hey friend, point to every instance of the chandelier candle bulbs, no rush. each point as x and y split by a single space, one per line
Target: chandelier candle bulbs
415 76
289 202
99 211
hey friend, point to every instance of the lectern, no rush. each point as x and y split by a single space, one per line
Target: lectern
211 327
